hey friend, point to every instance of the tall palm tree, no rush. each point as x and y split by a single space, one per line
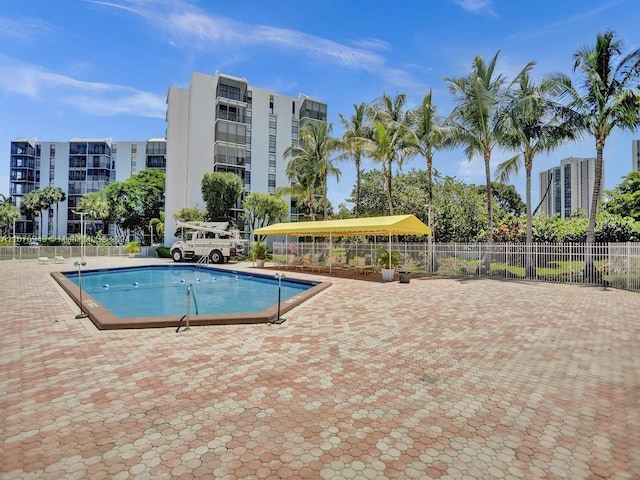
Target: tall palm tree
50 195
432 133
312 156
392 140
356 131
476 117
533 123
608 97
58 196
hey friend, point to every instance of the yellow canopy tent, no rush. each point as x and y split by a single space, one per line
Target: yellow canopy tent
378 226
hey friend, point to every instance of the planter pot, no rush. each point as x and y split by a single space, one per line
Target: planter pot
405 277
387 274
260 263
133 254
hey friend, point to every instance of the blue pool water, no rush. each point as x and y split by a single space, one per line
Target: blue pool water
161 290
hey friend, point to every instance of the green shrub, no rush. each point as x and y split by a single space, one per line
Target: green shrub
259 251
132 247
163 252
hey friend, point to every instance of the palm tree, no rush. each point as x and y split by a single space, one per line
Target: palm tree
432 134
533 123
95 206
356 131
607 98
312 157
31 204
476 117
58 196
50 195
8 213
392 140
305 187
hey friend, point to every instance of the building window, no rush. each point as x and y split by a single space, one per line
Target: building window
272 144
231 92
270 103
231 132
272 183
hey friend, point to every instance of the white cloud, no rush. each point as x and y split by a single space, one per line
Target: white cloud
94 98
477 6
473 171
194 28
372 44
22 30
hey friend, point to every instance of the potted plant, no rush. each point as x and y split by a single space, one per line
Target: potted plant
404 272
132 248
388 261
404 276
259 254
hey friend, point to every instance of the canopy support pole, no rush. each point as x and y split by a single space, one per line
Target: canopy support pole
286 249
389 249
330 253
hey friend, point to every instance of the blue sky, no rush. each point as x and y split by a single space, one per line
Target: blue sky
81 68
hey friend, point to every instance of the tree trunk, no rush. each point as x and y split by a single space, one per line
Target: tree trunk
388 180
592 274
432 259
357 158
324 198
487 171
529 268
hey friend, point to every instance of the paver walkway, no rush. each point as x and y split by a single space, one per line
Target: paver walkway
439 378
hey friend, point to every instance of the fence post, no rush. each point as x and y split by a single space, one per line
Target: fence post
629 266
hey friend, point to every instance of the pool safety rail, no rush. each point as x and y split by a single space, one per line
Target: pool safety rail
190 290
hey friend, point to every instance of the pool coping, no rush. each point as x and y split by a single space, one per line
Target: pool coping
103 319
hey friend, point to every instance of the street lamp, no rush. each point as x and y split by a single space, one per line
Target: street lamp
14 238
79 265
279 276
82 232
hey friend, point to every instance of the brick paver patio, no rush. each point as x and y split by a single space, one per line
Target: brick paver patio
439 378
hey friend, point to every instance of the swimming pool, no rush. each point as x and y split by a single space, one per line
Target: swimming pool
155 295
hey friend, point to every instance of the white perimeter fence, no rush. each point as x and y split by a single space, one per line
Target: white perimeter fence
616 264
24 253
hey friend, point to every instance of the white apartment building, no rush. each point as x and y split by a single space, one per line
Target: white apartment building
635 155
220 123
567 187
78 166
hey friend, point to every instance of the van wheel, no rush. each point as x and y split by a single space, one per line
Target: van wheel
216 256
176 255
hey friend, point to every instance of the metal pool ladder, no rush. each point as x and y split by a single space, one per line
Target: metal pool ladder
190 291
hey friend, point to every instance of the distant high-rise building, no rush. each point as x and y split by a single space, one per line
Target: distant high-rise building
565 188
221 123
78 166
635 155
